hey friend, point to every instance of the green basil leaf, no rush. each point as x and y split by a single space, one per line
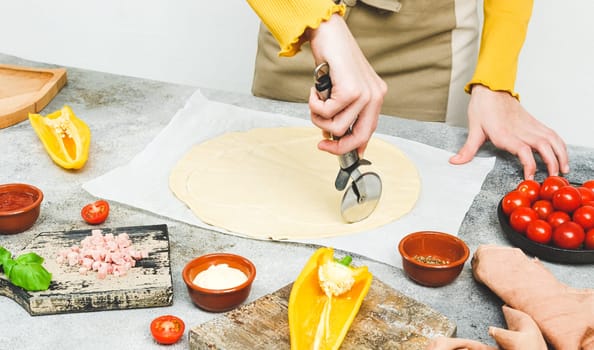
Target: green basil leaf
32 277
4 255
8 265
29 258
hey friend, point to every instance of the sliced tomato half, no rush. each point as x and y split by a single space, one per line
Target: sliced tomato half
167 329
95 213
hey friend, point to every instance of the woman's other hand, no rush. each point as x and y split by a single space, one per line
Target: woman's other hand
499 117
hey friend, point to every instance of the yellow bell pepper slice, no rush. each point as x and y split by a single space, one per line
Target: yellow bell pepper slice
65 137
324 301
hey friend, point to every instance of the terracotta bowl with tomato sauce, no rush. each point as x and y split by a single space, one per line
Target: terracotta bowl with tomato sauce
223 292
431 258
20 205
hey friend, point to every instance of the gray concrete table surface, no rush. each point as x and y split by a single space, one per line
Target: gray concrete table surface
125 114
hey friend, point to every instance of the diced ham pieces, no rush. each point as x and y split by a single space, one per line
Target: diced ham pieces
106 254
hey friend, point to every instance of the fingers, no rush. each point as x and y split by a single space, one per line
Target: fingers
523 332
361 133
524 153
518 321
445 343
473 142
339 112
339 124
356 111
504 122
506 339
553 152
551 149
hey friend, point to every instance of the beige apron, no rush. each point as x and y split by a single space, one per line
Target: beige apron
425 50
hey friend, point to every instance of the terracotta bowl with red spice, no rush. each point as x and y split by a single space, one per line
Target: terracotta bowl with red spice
432 258
19 207
220 298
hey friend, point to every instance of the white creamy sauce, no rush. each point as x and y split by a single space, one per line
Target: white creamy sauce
220 277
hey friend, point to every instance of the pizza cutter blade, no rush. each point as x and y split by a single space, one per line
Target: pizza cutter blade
363 194
361 197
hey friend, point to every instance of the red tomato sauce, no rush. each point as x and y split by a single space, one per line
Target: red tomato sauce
13 200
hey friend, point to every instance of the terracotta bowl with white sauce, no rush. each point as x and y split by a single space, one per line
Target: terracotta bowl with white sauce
219 282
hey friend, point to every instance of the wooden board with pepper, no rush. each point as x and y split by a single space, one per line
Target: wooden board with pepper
387 319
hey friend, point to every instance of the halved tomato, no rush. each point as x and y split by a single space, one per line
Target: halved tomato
95 213
167 329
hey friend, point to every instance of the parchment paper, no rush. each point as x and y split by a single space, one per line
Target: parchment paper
447 191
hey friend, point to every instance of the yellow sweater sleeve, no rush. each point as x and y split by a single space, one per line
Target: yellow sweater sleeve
504 30
287 20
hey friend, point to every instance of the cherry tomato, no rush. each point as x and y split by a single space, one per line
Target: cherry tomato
586 193
589 241
567 198
530 188
543 208
584 216
550 185
521 217
95 213
167 329
589 184
539 231
569 235
557 218
590 203
513 200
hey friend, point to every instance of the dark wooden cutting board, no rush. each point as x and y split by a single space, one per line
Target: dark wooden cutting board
387 319
148 284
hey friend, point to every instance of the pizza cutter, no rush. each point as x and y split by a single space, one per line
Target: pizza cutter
363 194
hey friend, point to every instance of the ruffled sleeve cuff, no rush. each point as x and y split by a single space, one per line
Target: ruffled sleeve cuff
288 20
504 32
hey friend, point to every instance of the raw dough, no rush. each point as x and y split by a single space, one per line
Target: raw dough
273 183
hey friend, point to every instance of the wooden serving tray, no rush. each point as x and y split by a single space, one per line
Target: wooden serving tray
387 319
148 284
25 90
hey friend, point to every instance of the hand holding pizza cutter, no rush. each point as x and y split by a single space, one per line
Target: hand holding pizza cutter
363 194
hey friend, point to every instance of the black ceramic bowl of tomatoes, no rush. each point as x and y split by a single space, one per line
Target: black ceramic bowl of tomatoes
552 219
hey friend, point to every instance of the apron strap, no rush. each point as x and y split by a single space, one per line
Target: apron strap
386 5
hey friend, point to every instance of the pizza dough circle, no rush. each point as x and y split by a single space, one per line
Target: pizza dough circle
273 183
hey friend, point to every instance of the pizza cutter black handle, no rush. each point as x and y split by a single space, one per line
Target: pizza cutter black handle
324 88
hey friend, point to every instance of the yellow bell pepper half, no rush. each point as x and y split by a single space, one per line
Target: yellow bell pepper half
65 137
319 319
